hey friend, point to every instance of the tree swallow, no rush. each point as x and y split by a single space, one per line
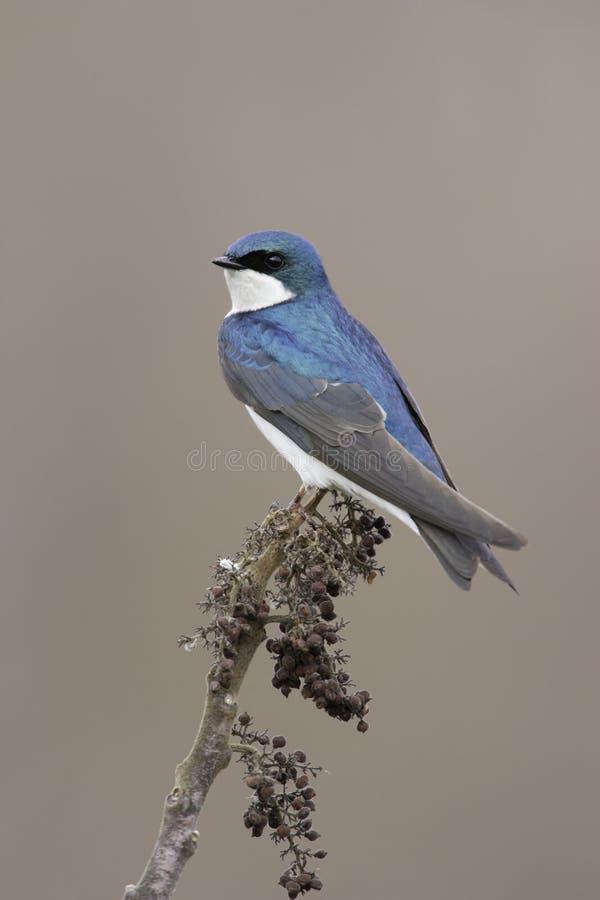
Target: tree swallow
325 393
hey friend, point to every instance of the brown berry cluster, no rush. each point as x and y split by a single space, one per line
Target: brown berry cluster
322 563
282 800
372 531
303 660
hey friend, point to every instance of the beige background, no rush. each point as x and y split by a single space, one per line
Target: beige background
444 158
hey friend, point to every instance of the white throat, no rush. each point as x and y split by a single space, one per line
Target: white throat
254 290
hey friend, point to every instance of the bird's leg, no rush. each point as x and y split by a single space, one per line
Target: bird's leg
314 501
311 505
296 502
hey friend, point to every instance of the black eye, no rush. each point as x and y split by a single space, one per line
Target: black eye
274 261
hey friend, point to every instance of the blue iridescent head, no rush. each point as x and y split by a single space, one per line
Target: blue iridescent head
269 267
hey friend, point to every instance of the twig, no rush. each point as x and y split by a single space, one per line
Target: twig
277 618
211 751
245 749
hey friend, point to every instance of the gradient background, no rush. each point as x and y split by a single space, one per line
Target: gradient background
444 157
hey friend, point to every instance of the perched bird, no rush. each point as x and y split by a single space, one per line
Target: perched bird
324 392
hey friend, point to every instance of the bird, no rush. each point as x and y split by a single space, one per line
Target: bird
323 391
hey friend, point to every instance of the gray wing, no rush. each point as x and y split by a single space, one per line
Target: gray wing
343 426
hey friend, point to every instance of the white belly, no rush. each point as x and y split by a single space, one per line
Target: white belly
315 473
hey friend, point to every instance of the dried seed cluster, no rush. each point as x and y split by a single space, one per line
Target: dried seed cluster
231 599
282 800
321 563
303 660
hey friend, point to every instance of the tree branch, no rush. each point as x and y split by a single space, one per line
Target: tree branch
211 750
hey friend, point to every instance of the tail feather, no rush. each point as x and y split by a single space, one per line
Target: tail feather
490 562
460 555
458 560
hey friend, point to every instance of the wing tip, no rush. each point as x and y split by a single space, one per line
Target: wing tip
512 540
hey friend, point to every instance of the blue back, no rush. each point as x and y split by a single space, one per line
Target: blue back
315 336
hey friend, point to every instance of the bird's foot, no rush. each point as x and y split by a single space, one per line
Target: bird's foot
296 503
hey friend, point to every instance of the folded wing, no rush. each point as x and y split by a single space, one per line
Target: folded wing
342 425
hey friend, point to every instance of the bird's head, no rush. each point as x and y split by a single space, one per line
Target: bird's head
270 267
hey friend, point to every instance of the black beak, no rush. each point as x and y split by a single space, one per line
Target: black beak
226 262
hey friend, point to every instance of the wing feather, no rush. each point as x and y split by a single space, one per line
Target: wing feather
344 426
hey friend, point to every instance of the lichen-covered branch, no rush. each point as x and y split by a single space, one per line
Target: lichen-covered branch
211 752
